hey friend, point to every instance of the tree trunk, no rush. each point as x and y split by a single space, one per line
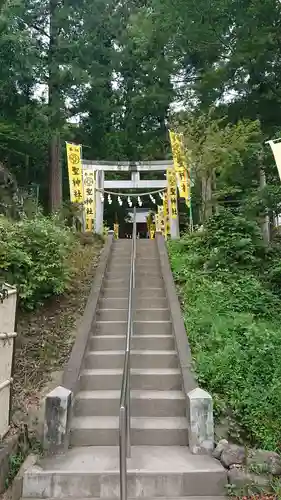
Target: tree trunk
55 185
207 208
55 178
265 224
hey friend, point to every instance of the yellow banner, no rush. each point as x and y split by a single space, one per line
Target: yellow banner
161 220
157 223
172 192
74 162
180 165
149 221
152 231
89 190
166 218
116 231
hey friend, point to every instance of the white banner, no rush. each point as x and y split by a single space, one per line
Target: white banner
276 149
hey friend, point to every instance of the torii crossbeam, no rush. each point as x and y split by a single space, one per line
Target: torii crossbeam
100 167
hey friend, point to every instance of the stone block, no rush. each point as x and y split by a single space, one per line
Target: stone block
201 421
56 420
17 486
246 483
233 455
263 461
222 445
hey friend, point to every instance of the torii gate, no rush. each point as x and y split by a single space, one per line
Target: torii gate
100 167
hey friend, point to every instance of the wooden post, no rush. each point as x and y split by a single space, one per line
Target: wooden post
265 225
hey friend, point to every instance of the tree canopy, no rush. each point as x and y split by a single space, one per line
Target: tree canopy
111 75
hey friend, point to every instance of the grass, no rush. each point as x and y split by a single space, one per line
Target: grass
233 321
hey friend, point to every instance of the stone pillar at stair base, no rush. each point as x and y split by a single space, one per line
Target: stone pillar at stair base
56 420
201 421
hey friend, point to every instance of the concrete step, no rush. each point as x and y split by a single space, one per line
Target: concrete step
153 472
140 293
104 431
146 252
148 271
163 498
122 242
113 303
143 359
151 379
143 403
117 342
148 260
113 293
139 314
151 292
153 327
141 263
140 327
112 314
121 255
142 303
139 272
149 282
141 282
124 255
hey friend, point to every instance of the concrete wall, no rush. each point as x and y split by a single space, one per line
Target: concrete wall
7 336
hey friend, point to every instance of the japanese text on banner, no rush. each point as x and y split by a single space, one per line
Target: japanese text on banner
161 220
89 185
116 231
152 231
167 229
158 221
183 176
172 192
74 162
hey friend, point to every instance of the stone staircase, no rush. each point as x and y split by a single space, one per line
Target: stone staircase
161 464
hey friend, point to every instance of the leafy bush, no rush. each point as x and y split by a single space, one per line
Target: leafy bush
34 256
232 240
233 321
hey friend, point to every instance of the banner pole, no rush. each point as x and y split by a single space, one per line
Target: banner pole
190 203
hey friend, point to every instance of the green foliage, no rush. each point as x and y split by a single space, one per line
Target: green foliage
232 240
233 321
15 462
34 256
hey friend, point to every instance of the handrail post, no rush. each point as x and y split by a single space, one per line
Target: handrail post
122 454
128 417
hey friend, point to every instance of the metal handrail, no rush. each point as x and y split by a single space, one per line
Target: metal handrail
125 399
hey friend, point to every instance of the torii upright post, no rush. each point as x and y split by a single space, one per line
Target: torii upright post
99 202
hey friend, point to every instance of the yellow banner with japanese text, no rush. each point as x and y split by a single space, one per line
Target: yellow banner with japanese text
166 217
161 220
89 190
116 231
172 192
152 231
74 162
180 165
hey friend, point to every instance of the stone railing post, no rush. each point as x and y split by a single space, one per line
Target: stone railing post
56 420
201 421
